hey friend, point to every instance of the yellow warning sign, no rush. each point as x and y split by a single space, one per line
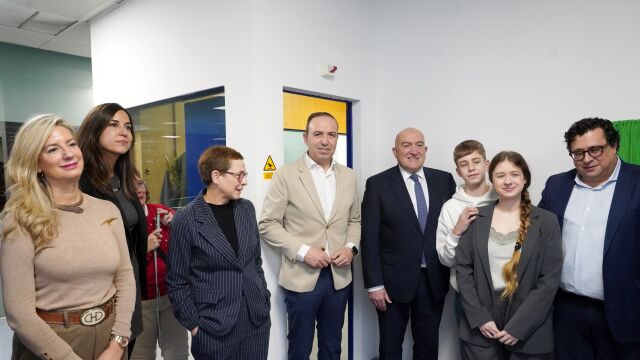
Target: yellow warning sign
269 165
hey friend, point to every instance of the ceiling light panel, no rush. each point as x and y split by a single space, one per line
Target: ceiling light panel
13 16
47 23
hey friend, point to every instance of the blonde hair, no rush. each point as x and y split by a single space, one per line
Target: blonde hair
509 270
29 197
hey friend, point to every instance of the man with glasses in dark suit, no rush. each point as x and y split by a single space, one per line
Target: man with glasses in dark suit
597 308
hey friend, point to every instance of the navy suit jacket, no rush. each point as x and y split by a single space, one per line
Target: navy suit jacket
621 262
392 241
206 279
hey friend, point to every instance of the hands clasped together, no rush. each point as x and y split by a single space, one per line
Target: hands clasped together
490 331
318 259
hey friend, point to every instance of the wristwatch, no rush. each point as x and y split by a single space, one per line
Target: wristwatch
123 341
354 250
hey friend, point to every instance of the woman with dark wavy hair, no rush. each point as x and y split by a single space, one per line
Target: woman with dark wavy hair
106 137
508 267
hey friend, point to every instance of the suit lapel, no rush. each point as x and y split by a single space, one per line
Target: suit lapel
481 240
399 188
243 232
309 185
339 192
619 204
433 188
563 197
211 231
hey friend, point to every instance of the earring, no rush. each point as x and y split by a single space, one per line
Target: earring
40 174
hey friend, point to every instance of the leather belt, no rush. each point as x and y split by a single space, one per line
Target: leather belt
582 298
89 317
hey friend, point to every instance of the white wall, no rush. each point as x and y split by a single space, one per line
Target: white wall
150 50
513 75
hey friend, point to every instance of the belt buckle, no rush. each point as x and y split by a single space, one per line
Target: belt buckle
92 317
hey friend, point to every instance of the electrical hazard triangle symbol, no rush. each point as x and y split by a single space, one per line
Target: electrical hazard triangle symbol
269 165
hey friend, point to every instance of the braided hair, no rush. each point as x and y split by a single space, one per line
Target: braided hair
509 270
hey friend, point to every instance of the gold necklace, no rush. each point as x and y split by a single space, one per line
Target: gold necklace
74 208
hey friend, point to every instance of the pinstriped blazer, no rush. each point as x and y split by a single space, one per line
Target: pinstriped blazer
206 278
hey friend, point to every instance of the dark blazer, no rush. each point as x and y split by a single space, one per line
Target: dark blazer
529 312
392 240
137 244
206 279
621 262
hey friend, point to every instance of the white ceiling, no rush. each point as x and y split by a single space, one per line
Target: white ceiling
56 25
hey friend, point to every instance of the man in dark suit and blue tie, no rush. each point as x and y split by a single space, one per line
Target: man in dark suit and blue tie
597 308
216 283
402 272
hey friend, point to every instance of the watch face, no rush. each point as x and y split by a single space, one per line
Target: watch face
123 341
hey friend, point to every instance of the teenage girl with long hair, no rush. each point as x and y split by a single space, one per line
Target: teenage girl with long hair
508 270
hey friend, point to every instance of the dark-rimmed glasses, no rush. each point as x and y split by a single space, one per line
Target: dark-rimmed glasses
239 175
594 152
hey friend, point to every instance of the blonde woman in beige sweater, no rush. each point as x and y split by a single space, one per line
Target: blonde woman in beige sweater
68 284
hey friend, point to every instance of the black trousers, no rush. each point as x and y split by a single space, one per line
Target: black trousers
581 331
425 314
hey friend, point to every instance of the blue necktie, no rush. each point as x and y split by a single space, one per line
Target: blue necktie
423 210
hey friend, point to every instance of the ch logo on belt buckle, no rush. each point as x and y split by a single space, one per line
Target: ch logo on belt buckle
92 317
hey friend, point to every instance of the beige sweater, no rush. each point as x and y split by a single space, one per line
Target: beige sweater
83 267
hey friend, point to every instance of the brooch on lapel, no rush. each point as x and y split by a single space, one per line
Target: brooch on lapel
108 221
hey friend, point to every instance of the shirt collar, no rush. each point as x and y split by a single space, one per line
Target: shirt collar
612 178
314 165
405 174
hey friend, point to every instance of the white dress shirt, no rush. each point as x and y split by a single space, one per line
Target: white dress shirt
325 184
411 186
583 232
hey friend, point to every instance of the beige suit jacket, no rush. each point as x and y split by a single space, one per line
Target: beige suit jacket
292 215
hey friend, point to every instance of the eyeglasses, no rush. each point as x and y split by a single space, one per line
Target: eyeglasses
594 152
239 175
141 183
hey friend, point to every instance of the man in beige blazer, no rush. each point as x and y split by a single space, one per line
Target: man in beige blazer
312 215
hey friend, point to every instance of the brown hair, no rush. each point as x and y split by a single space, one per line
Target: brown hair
96 168
216 158
509 271
318 114
468 147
